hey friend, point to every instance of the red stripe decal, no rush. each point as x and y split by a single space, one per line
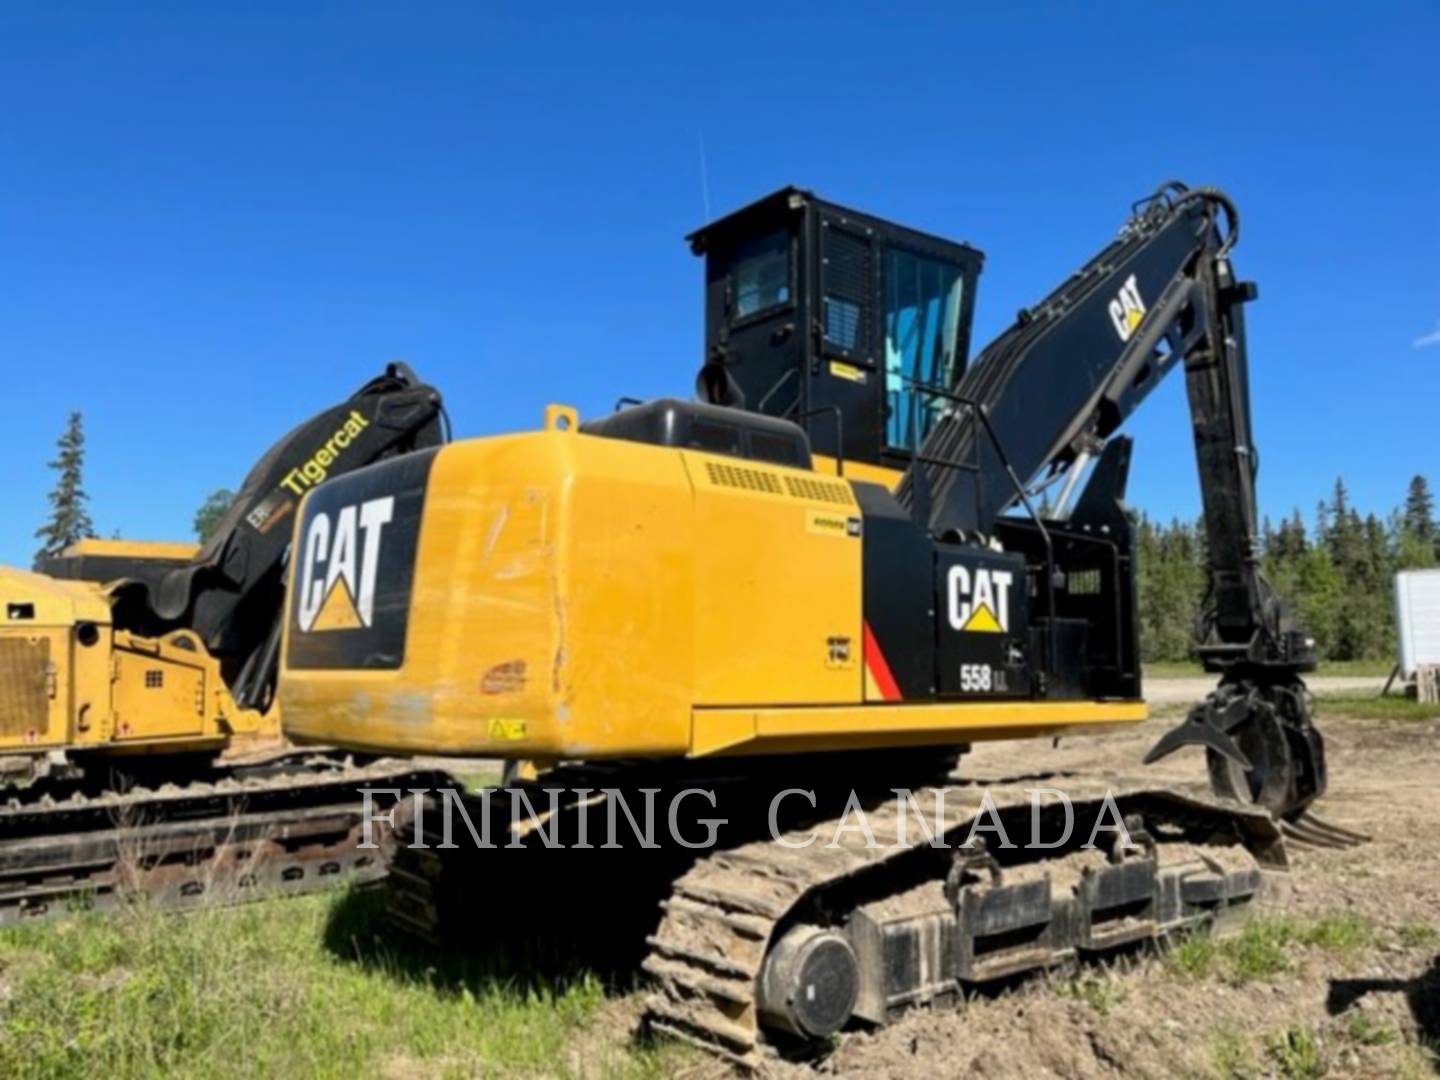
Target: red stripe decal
879 669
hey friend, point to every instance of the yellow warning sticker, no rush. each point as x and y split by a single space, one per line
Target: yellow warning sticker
826 523
847 371
507 729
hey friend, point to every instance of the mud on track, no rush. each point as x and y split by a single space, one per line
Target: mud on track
1364 1004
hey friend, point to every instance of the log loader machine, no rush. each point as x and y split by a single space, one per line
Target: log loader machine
126 669
817 583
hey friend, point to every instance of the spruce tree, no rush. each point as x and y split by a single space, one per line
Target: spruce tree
69 521
1420 511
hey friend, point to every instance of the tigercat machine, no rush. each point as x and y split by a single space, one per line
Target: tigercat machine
828 573
127 668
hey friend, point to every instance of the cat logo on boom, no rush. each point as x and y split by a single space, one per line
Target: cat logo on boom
1127 309
980 599
339 559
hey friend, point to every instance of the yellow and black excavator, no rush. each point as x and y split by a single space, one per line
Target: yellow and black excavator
127 669
816 584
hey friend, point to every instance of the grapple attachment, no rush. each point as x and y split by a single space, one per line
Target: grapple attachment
1261 746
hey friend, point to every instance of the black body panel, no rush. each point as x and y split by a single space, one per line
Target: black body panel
713 428
103 568
355 565
981 623
899 597
805 338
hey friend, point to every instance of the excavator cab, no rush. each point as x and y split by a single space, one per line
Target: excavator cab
831 318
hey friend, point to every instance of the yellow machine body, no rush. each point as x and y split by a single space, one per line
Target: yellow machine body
70 681
576 596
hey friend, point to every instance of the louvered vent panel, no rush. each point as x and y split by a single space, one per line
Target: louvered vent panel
747 479
817 490
24 701
846 277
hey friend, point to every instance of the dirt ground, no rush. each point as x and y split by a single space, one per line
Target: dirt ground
1359 1010
1367 1004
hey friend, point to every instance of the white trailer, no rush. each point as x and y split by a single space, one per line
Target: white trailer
1417 621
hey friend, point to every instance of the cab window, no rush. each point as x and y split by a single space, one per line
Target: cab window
760 275
922 330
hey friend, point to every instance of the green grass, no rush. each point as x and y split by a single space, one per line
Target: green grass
1259 951
1419 936
1098 989
1231 1055
285 987
1263 949
1365 1031
1296 1054
1345 933
1371 707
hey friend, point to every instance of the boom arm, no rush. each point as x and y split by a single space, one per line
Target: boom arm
1064 377
232 592
1069 371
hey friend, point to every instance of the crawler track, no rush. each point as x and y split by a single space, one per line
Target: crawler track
289 824
925 923
929 942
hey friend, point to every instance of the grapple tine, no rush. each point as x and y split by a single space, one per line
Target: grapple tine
1197 729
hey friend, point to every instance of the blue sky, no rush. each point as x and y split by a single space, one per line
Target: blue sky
216 219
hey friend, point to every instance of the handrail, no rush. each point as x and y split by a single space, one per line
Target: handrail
790 373
839 433
984 415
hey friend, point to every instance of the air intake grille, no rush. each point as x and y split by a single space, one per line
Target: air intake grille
738 476
24 698
817 490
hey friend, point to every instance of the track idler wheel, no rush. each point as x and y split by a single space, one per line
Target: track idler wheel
1261 747
810 982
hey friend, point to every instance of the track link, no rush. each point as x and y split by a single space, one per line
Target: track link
716 930
924 935
292 823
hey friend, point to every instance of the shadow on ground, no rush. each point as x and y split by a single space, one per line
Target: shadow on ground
358 932
1422 995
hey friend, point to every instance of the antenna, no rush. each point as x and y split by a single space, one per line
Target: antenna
704 176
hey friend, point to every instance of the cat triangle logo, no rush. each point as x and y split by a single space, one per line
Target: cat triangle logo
983 620
980 598
340 565
338 611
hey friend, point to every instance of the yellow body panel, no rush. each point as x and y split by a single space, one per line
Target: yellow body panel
583 597
132 549
548 566
70 681
773 539
875 726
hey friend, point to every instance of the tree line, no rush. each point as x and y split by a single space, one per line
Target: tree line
1337 572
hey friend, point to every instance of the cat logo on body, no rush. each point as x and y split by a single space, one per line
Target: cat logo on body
980 599
1127 309
338 564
